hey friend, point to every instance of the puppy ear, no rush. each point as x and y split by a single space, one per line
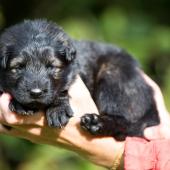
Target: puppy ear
3 57
3 61
1 89
67 51
5 52
70 53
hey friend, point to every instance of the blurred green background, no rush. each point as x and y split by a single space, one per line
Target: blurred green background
140 26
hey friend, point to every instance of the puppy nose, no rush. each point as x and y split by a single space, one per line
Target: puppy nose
36 92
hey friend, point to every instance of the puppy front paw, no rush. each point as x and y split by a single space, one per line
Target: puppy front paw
58 116
91 123
14 106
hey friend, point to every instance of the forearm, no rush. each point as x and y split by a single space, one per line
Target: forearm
101 151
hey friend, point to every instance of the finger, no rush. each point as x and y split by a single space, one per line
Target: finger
157 96
11 118
6 115
157 132
28 135
35 134
152 133
3 129
25 132
38 119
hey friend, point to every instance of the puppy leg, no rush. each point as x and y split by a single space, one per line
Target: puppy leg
104 126
14 106
59 115
111 121
123 100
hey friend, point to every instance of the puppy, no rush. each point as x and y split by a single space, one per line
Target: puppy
39 62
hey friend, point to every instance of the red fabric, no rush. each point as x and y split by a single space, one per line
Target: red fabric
141 154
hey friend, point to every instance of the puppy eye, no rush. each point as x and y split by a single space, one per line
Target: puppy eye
57 70
50 66
53 66
17 68
13 70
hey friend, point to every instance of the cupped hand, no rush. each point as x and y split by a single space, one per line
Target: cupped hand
101 151
161 131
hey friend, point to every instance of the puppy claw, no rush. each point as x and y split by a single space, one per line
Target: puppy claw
30 112
58 116
11 107
16 107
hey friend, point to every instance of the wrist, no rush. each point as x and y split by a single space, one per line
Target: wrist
99 150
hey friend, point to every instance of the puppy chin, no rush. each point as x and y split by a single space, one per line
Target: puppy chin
38 104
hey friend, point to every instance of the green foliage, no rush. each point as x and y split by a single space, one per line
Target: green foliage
136 26
55 159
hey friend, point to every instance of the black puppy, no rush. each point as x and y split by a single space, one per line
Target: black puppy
39 62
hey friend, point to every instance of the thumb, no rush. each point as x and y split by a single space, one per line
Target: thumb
152 133
157 132
4 102
7 116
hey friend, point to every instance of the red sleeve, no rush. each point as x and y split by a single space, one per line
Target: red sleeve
141 154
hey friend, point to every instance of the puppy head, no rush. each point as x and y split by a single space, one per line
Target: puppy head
37 62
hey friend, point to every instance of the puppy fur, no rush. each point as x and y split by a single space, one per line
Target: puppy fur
39 62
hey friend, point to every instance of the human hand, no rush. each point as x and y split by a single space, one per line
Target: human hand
160 131
101 151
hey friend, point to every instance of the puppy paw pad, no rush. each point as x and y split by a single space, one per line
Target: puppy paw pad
91 123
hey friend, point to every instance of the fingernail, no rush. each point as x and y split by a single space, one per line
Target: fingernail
148 133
